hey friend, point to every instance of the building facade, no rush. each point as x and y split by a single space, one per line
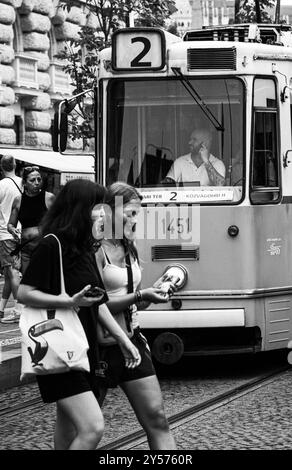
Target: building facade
286 13
32 80
221 12
211 12
183 16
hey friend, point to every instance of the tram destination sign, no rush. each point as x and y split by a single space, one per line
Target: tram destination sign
187 196
138 49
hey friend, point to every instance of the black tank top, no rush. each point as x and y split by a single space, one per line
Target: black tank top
32 209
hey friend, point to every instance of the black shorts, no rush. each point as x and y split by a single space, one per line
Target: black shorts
54 387
112 363
112 372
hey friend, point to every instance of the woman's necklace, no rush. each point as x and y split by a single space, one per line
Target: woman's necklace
117 256
112 242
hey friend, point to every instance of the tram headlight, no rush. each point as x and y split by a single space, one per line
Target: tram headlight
175 273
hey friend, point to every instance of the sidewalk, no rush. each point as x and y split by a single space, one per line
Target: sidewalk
10 349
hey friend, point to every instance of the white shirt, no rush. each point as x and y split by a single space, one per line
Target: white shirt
8 192
184 170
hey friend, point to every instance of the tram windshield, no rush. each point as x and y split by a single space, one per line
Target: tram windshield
163 141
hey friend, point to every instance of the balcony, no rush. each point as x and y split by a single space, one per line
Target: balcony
25 71
60 81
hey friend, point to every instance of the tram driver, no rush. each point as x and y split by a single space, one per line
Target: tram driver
199 165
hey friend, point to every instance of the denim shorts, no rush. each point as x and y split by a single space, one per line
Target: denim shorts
6 259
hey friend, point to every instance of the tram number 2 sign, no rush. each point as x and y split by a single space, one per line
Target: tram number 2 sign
138 49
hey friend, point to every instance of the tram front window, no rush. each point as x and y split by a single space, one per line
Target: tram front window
160 138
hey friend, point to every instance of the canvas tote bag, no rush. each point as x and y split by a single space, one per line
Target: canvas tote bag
53 340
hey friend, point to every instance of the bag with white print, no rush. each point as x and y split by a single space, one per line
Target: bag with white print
53 340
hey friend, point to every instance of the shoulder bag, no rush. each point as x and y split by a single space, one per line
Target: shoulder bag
8 177
53 340
124 318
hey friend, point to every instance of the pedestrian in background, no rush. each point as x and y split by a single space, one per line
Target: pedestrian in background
115 258
29 209
10 189
71 218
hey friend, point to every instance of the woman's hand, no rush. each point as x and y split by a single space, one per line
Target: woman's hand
157 295
80 300
15 232
130 352
154 295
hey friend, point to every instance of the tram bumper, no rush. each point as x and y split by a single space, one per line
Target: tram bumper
204 318
174 334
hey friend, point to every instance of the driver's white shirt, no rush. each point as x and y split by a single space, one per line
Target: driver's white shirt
184 170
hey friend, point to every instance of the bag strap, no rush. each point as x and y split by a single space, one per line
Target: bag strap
62 281
8 177
130 273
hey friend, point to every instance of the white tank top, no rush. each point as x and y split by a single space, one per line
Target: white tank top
115 279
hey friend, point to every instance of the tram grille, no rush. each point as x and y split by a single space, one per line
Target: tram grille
175 252
216 59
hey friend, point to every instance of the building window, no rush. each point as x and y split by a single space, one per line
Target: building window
19 130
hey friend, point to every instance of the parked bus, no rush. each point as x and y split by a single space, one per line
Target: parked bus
227 240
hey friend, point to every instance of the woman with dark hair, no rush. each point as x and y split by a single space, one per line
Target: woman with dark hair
71 218
29 209
116 258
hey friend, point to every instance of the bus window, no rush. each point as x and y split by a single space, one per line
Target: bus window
265 166
152 121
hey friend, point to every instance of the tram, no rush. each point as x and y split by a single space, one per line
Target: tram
229 241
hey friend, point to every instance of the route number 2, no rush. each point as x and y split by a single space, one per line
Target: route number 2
147 46
138 49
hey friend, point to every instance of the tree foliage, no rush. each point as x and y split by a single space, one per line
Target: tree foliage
246 11
82 55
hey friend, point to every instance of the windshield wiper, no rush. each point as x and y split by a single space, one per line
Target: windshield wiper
195 95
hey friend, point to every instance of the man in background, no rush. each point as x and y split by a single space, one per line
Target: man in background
199 165
10 188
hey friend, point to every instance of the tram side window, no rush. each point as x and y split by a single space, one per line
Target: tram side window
265 166
291 105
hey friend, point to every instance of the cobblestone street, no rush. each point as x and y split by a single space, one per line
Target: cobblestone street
260 420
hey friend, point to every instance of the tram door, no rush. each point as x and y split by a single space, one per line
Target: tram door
269 184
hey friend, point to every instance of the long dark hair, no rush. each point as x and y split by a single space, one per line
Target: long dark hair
127 192
70 215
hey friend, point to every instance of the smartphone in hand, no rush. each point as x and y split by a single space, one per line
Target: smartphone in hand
94 292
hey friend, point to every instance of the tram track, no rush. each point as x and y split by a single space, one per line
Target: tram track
14 410
138 437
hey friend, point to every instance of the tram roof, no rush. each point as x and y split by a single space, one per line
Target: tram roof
72 163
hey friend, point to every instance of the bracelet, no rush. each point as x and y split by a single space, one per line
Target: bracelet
138 296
